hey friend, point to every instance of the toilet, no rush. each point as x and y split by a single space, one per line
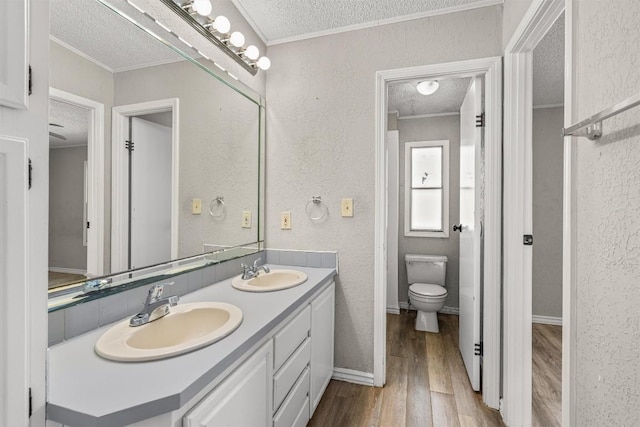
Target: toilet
427 294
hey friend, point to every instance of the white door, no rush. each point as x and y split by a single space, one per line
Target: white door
150 193
392 150
469 227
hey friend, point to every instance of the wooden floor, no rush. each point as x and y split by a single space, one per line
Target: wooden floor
427 385
59 279
547 375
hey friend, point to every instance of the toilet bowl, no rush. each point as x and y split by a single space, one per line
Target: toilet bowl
426 275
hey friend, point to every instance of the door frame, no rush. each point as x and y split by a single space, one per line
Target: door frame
518 212
119 178
96 234
492 70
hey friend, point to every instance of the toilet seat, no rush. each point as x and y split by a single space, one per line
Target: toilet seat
427 290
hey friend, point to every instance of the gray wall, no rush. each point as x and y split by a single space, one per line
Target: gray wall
607 181
66 208
514 11
321 127
427 129
547 211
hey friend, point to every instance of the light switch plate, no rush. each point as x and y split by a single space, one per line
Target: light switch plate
347 207
196 206
285 220
246 219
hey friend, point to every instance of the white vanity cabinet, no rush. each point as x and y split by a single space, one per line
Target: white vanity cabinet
322 339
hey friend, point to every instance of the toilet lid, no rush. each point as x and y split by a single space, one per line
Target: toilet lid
427 289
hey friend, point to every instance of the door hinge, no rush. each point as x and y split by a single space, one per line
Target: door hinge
30 403
477 349
88 224
30 81
30 173
480 121
128 145
527 240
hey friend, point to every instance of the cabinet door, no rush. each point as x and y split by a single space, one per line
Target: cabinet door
322 321
243 399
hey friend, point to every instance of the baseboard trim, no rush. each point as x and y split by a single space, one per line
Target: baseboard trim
393 310
68 270
547 320
351 376
446 310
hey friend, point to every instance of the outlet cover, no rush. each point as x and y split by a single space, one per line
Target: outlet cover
285 220
347 207
246 219
196 206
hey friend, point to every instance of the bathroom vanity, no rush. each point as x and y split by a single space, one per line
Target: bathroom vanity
271 371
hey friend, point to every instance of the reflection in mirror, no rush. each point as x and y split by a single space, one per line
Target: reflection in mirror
172 153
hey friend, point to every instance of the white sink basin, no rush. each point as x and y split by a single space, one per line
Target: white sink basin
275 280
188 327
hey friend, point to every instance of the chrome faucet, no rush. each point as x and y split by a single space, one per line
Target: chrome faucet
249 272
154 306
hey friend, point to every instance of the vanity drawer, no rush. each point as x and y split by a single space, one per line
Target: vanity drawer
290 372
295 410
289 338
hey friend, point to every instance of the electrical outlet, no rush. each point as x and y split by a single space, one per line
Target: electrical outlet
246 219
285 220
347 207
196 206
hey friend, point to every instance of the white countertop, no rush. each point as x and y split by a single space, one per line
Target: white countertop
86 390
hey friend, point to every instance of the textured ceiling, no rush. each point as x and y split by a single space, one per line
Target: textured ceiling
74 120
548 67
283 19
99 33
405 99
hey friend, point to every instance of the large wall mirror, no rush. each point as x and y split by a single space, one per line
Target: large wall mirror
154 156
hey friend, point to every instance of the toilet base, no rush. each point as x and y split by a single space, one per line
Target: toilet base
427 321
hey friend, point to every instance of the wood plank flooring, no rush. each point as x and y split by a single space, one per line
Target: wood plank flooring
427 385
60 279
547 375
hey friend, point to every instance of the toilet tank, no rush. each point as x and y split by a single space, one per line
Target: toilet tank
426 269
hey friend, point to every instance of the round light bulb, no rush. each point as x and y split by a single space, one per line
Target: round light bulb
264 63
237 39
252 52
202 7
221 24
428 87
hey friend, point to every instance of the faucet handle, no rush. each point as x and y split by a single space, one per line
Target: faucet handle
255 263
155 292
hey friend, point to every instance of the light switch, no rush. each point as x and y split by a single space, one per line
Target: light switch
246 219
196 206
285 220
347 207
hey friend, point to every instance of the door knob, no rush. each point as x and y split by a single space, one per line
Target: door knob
457 227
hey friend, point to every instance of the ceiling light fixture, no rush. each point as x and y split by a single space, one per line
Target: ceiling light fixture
427 87
202 7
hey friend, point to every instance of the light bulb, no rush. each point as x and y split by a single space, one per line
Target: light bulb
202 7
264 63
427 87
252 52
237 39
221 24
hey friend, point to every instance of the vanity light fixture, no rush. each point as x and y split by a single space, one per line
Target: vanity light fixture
218 31
427 87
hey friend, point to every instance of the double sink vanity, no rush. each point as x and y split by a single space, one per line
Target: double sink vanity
223 355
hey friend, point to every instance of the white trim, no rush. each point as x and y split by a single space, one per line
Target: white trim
446 310
393 310
540 107
149 64
546 320
351 376
247 17
491 68
67 270
395 20
57 147
428 116
517 300
96 234
119 178
80 53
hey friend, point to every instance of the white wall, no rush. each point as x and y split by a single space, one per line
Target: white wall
428 129
321 133
547 211
607 54
513 11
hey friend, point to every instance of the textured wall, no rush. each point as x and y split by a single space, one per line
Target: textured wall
427 129
607 51
321 140
513 11
547 211
72 73
66 208
218 150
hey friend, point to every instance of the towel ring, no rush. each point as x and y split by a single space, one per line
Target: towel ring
216 207
314 204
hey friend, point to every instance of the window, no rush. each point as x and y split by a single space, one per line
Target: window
426 184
